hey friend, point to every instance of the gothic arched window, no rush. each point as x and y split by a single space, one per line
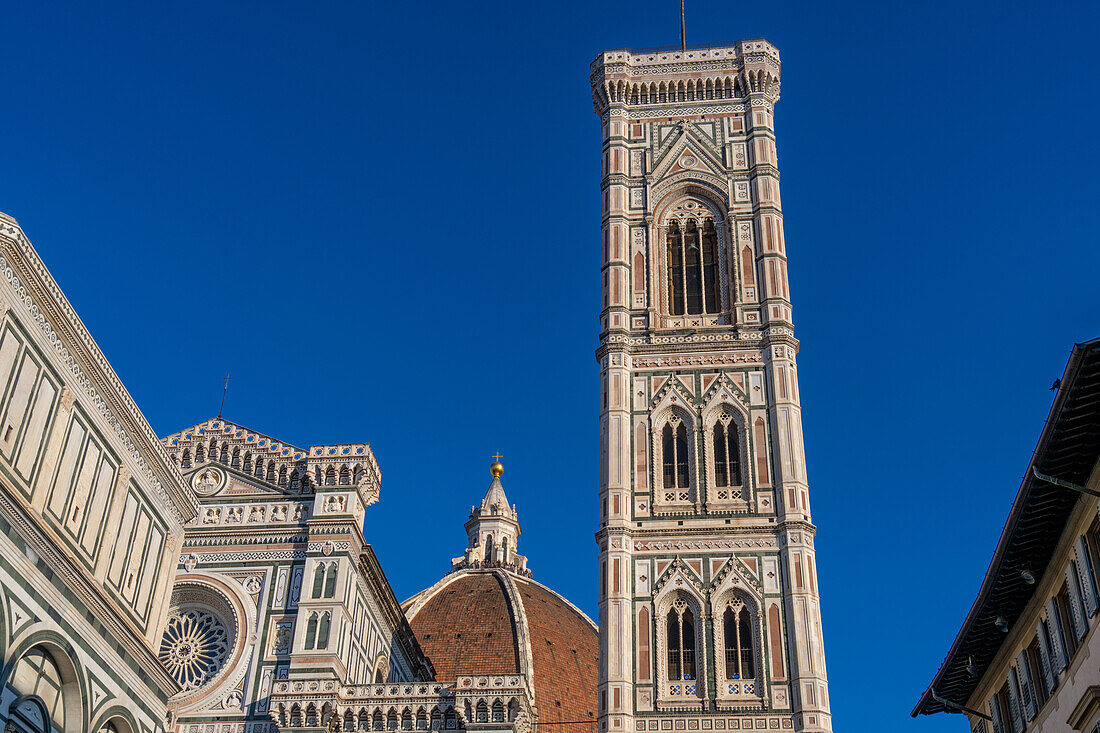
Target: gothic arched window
737 630
311 631
323 629
680 641
693 267
318 579
727 454
489 549
674 446
330 581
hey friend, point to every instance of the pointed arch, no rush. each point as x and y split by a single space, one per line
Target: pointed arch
330 581
775 642
311 632
318 579
760 449
727 452
680 652
672 445
738 642
644 634
323 628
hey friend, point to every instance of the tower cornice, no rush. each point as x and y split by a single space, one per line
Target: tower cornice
748 70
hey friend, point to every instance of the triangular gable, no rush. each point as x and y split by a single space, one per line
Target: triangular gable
679 574
687 141
235 483
725 389
687 385
673 394
735 574
222 429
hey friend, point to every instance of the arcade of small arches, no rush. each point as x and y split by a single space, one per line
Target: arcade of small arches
384 717
724 86
663 92
294 475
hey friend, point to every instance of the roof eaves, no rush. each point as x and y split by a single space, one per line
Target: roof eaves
1087 353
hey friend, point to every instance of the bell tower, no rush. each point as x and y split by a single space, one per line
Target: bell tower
708 598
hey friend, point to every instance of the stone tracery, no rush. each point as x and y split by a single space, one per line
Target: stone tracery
195 646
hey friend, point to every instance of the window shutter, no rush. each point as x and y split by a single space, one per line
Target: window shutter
1014 703
979 727
995 711
1077 615
1058 645
1027 689
1049 680
1085 573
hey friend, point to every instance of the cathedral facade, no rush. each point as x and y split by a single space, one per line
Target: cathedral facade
218 580
709 610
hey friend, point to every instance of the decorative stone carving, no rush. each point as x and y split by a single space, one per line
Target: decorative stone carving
195 646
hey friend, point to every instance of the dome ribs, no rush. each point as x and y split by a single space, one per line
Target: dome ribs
467 628
564 647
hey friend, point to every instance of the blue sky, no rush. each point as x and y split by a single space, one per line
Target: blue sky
383 220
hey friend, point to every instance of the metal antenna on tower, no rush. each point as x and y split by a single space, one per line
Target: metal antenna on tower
683 35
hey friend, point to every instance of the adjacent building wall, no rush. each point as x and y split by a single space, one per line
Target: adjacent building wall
1046 676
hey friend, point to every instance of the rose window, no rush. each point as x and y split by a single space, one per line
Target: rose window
195 646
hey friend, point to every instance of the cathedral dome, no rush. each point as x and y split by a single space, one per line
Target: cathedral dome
488 617
495 621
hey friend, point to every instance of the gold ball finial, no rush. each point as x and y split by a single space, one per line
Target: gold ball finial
497 468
